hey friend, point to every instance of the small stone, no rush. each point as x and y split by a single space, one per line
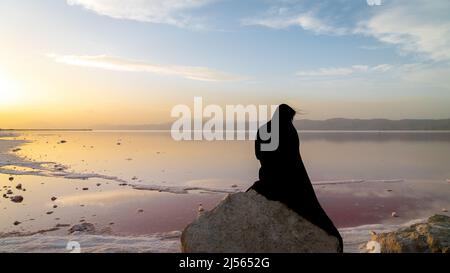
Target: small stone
444 210
11 178
9 192
53 198
85 189
49 212
16 223
234 186
83 228
99 184
19 186
201 210
63 141
394 214
17 199
55 206
140 210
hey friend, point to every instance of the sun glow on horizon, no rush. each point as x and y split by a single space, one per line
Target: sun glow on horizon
9 91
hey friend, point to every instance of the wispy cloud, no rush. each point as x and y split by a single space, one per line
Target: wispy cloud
172 12
424 27
343 71
121 64
418 27
308 21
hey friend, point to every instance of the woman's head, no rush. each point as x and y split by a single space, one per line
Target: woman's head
285 113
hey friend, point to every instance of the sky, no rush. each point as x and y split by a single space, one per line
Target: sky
83 63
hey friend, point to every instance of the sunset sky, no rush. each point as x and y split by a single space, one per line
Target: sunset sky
82 63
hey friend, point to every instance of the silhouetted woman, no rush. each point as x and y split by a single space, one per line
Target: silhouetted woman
283 177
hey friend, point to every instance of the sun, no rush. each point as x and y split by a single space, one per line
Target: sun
8 91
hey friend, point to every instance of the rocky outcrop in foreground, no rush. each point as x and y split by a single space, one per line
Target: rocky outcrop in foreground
250 223
432 236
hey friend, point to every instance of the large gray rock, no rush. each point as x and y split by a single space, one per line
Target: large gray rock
432 236
250 223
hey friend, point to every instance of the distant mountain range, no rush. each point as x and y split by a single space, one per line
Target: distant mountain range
335 124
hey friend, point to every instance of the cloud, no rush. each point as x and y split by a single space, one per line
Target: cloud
374 2
121 64
415 26
343 71
153 11
308 21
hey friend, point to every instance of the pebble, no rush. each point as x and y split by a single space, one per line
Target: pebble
9 192
53 198
55 206
49 212
11 178
444 210
17 199
201 210
19 186
140 210
85 189
394 214
16 223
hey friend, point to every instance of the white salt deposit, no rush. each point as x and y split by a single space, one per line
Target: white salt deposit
156 243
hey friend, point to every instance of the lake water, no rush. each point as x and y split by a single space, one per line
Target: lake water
141 183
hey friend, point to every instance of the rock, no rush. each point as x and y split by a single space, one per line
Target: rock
140 211
200 210
17 199
53 198
16 223
82 228
19 186
432 236
49 212
11 178
9 192
85 189
444 210
250 223
55 206
394 214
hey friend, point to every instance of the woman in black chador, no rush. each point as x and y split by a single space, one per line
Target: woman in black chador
283 177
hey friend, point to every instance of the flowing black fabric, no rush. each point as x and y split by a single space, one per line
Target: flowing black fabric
283 176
